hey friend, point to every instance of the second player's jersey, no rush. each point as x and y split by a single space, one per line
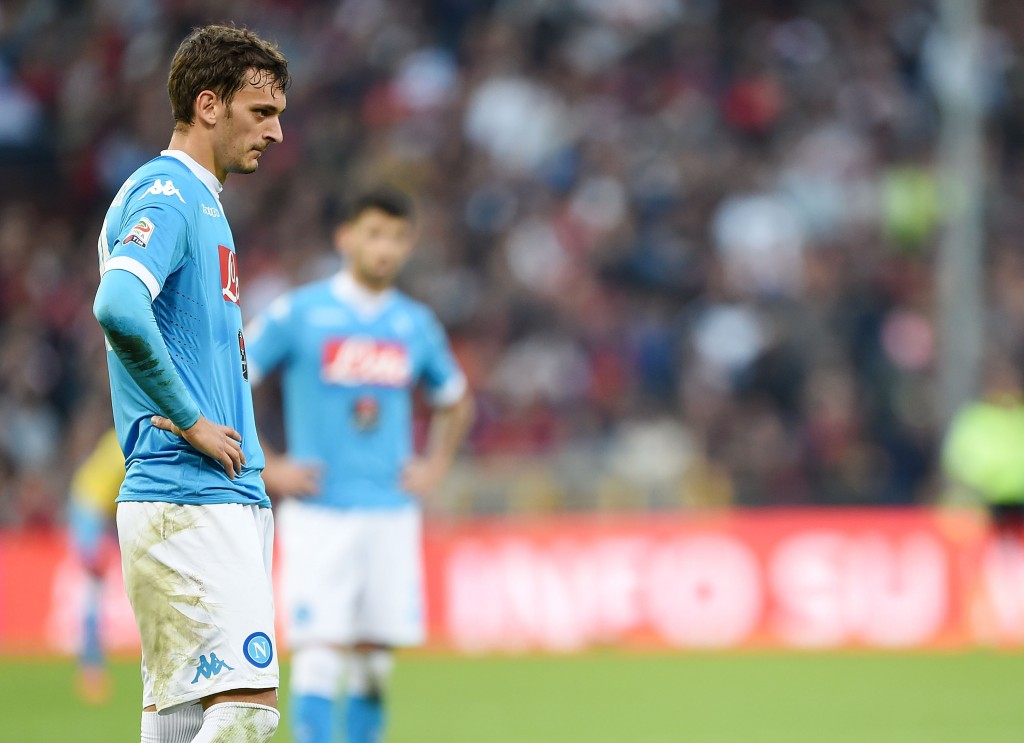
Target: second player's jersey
350 361
167 227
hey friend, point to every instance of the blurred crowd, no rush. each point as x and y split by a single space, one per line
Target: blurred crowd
684 248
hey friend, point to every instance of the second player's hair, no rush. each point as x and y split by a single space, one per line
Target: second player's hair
386 198
221 59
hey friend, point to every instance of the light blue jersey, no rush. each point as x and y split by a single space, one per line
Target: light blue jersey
167 227
350 360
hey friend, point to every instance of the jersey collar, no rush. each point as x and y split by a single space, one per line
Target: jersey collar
209 179
366 302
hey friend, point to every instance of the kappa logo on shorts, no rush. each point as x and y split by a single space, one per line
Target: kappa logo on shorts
210 668
258 649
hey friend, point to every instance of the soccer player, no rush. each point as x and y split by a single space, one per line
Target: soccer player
351 349
94 487
193 518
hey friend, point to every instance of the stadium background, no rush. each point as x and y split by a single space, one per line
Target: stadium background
687 252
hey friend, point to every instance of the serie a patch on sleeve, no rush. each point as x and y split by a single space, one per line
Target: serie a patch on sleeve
140 233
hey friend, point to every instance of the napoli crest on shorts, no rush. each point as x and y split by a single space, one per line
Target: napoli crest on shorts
258 649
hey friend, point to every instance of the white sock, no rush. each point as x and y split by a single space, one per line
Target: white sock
317 670
238 722
369 672
179 726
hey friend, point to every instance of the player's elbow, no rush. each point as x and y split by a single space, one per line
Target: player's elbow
467 408
105 307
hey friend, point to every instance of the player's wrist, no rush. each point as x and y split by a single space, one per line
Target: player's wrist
189 426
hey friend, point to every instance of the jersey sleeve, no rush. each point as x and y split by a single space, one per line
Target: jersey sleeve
125 311
151 242
442 378
268 339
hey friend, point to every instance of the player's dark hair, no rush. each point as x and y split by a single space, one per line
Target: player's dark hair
222 59
388 199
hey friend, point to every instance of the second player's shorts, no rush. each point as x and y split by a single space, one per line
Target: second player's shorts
351 576
198 578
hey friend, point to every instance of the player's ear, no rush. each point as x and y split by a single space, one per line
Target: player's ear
206 107
341 233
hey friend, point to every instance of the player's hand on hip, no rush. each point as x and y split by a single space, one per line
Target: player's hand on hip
420 476
222 443
286 477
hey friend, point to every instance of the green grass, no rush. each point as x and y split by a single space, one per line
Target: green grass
597 698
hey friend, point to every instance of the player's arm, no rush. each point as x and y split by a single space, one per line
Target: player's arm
288 478
448 428
453 414
124 308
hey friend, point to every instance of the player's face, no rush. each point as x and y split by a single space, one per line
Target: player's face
376 245
251 124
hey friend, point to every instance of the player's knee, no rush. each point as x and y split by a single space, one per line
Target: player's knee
241 721
317 671
370 671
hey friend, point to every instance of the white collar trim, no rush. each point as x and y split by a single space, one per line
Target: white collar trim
209 179
366 301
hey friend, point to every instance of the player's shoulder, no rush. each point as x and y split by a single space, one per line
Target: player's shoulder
312 294
417 311
300 299
164 181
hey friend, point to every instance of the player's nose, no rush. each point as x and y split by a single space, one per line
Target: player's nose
273 131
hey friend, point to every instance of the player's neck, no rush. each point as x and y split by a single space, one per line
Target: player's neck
369 287
195 148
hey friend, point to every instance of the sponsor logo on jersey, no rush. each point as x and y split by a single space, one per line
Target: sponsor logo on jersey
140 233
210 211
163 188
258 649
210 668
228 274
361 360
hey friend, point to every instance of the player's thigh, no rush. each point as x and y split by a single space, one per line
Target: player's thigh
320 571
197 578
392 607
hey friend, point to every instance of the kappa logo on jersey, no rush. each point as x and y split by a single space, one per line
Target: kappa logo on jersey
210 668
228 274
140 233
362 360
163 188
258 649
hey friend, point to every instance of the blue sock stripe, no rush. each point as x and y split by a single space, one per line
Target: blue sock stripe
364 719
312 719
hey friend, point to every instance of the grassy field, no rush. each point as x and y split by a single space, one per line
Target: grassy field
597 698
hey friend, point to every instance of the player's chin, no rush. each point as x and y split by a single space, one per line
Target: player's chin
250 166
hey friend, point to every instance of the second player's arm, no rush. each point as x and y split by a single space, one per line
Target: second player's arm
286 477
448 428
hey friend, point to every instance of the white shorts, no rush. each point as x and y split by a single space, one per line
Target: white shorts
351 576
198 579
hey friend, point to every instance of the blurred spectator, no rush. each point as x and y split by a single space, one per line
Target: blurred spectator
684 247
981 454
